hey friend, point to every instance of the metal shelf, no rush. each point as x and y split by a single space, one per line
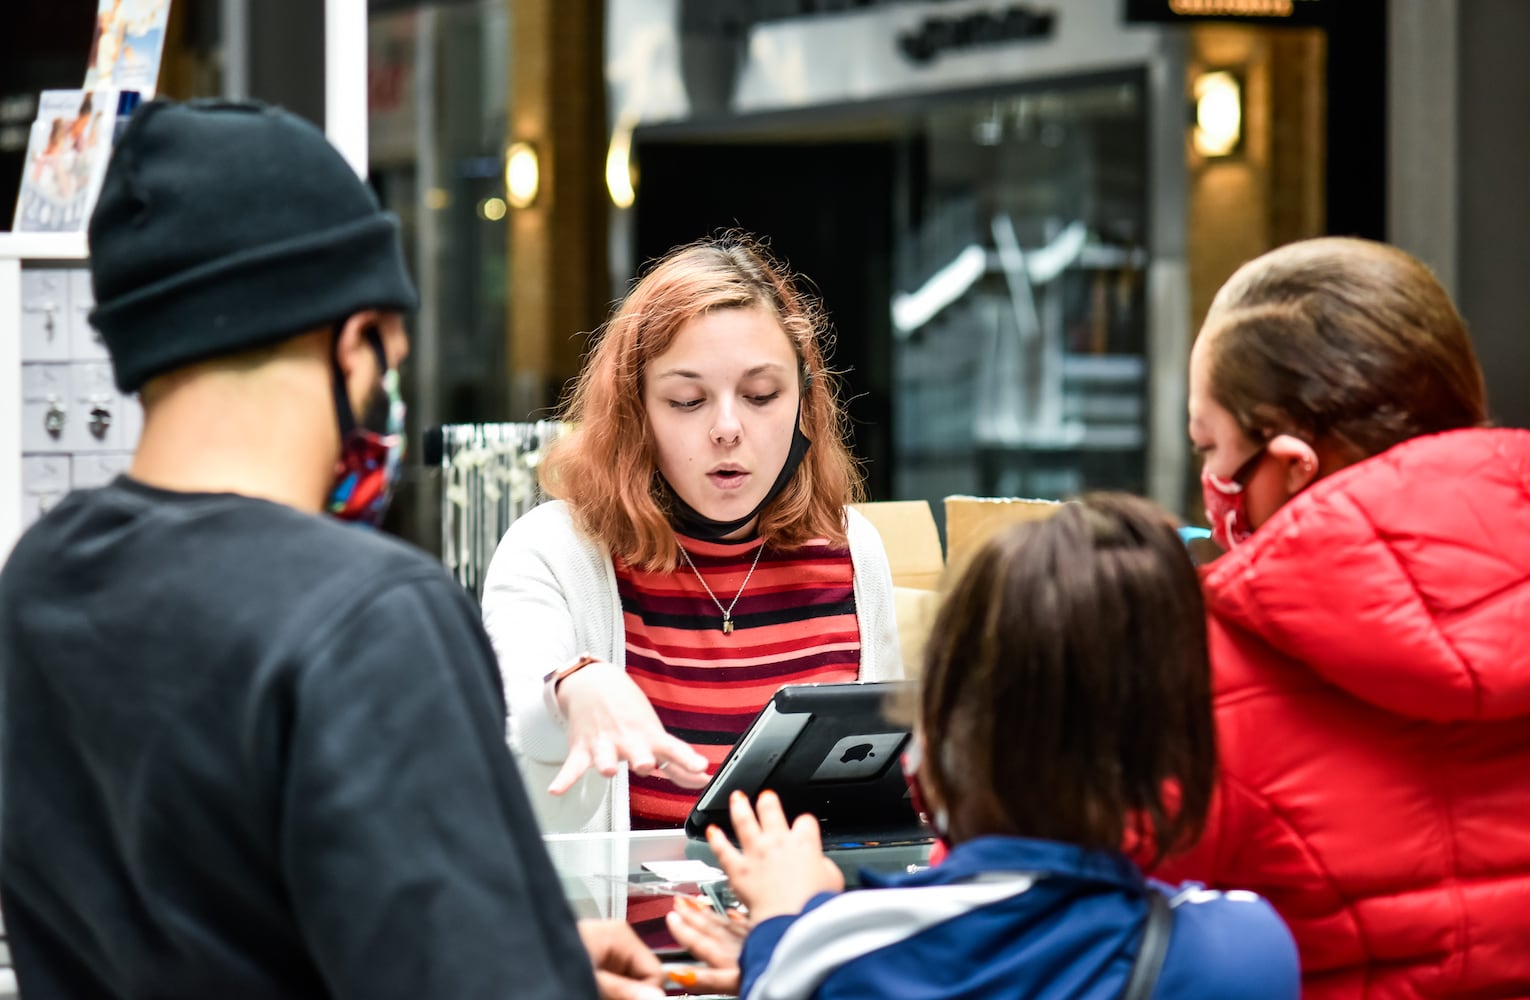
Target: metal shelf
44 246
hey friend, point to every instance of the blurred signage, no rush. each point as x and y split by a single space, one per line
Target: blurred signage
772 10
936 35
1262 11
392 103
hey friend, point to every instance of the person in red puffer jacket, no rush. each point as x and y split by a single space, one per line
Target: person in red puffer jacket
1369 626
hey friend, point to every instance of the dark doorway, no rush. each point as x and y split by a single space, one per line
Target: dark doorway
44 46
1357 119
827 211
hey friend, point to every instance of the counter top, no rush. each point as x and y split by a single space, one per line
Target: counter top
597 868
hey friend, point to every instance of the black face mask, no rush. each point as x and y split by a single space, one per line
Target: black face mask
693 524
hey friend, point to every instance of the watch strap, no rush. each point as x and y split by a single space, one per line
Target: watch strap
557 676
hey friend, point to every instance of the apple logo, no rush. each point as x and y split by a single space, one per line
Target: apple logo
860 756
859 752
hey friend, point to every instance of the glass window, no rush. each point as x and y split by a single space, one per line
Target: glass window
1019 317
438 94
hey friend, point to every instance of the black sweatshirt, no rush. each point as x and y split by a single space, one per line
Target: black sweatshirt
249 752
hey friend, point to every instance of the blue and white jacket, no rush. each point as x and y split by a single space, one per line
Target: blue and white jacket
1014 918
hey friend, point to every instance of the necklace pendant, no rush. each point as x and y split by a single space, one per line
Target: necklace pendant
727 625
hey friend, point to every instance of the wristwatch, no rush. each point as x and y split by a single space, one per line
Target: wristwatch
555 677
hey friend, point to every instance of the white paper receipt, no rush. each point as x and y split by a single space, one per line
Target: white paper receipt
684 871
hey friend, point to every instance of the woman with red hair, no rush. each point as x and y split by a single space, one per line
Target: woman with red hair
700 553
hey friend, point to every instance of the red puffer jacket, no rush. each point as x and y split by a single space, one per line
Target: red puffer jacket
1371 652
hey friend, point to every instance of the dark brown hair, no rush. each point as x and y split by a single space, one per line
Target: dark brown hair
1345 342
1066 692
607 469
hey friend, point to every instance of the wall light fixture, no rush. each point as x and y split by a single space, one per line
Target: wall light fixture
1218 113
523 174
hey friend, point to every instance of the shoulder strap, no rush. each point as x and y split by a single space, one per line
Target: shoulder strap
1156 929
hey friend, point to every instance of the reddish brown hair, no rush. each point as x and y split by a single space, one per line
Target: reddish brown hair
1066 692
1344 342
607 471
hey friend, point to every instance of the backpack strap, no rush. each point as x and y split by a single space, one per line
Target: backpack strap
1156 929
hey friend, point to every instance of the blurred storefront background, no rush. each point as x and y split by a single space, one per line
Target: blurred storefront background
1015 213
970 189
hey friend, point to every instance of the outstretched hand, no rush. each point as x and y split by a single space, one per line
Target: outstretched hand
610 721
625 968
778 866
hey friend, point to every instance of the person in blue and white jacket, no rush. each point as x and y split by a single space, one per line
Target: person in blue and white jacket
1066 710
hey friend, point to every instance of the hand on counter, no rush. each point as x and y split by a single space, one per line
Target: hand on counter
778 866
610 721
625 969
712 938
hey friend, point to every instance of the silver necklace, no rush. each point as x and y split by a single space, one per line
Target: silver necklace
727 613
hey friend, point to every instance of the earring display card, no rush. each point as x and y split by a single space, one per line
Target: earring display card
95 423
45 315
45 408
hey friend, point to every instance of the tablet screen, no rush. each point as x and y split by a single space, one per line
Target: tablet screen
828 749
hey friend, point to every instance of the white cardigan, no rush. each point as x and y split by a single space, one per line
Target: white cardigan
550 597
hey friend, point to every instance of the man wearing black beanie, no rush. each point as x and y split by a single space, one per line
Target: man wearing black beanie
248 750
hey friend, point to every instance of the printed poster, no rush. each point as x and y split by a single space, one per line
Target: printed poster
69 146
128 44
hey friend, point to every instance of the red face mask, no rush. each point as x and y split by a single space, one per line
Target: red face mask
1227 503
913 757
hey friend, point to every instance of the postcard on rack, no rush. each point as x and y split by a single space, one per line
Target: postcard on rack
128 45
70 144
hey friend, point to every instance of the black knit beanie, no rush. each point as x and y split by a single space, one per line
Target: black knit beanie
224 226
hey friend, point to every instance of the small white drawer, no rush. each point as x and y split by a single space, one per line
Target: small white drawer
44 482
84 343
45 315
91 471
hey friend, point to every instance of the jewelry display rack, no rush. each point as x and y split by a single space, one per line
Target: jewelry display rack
489 478
63 424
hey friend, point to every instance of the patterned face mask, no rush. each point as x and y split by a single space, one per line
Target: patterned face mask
1227 503
371 450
